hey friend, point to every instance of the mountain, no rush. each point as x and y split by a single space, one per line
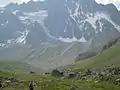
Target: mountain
52 33
106 58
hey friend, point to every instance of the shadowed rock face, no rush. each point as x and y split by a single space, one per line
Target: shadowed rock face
57 20
60 26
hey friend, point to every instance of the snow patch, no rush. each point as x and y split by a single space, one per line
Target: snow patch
1 11
98 16
24 20
9 41
37 16
2 44
5 24
74 39
15 12
80 17
23 17
76 14
31 17
22 38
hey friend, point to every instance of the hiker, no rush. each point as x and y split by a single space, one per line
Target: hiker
31 87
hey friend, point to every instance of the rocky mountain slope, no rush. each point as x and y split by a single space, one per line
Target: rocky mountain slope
108 57
18 67
52 33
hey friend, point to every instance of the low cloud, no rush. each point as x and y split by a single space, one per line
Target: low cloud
115 2
19 1
99 1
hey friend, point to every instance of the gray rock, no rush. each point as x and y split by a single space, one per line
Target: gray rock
75 88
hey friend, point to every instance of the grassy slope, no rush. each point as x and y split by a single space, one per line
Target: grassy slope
15 66
52 83
107 57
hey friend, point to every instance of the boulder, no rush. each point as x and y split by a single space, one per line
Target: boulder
75 88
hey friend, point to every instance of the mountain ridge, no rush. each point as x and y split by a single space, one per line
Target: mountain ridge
109 56
75 17
53 32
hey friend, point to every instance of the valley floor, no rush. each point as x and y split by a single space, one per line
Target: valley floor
47 82
98 73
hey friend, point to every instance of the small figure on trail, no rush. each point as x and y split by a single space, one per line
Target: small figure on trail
31 86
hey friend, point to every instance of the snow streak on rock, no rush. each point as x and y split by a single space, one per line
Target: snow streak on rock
39 16
74 39
80 17
15 12
22 38
97 17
